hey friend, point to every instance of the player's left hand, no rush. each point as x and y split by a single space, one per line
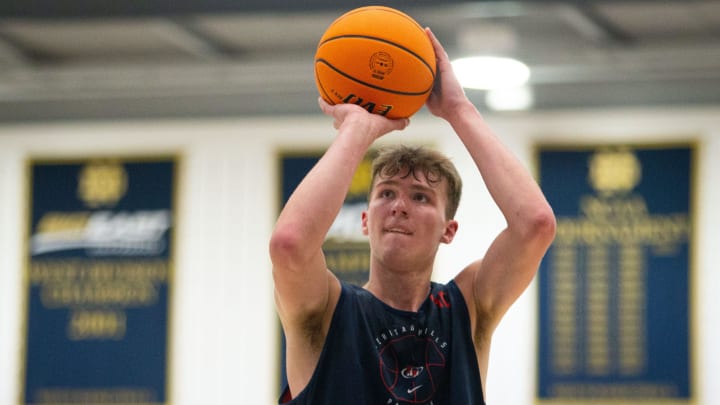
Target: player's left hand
355 117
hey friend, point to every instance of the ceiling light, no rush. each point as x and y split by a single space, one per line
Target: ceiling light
490 72
510 99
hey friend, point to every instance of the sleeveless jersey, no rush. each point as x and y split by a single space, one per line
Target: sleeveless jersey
377 355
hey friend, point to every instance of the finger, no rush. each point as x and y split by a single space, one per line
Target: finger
437 46
401 124
324 106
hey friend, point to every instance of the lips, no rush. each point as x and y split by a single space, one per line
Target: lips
401 231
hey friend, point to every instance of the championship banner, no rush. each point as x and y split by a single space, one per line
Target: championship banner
347 251
614 288
98 279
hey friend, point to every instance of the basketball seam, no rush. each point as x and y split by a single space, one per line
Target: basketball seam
410 51
379 8
322 87
402 93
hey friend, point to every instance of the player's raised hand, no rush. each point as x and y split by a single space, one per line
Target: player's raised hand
356 118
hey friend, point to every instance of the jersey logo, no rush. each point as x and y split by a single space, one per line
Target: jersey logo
411 372
440 300
412 367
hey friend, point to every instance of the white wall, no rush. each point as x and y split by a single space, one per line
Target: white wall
224 336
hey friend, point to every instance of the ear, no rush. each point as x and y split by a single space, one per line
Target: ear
450 230
364 220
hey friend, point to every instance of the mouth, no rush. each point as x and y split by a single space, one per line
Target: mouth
400 231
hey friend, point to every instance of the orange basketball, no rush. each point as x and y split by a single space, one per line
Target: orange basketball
376 57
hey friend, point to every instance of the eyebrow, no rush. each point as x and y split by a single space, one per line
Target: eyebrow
417 187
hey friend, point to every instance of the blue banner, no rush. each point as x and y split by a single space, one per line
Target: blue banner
98 276
614 298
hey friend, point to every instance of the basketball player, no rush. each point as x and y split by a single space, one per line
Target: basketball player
402 339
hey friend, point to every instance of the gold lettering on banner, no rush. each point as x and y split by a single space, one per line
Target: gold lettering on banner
609 243
94 396
97 292
601 390
348 261
631 348
63 222
564 323
96 324
623 222
598 311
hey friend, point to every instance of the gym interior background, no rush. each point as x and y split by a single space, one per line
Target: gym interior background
227 88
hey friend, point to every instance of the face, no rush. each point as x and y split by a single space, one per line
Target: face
405 220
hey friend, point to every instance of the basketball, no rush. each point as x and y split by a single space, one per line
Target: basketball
378 58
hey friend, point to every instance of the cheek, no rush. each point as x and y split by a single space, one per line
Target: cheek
439 225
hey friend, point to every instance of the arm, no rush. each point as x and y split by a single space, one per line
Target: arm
510 264
306 292
303 285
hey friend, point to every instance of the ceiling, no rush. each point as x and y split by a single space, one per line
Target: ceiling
582 54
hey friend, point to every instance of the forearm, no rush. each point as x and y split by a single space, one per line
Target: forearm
313 206
511 186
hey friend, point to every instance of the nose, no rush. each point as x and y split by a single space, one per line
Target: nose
399 207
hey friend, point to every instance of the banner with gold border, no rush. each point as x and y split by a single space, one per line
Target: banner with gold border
615 319
98 275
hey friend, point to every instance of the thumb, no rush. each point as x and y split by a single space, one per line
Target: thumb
399 124
403 123
324 106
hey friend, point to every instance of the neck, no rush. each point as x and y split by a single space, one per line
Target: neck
403 291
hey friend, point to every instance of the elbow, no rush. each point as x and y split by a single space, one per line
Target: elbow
545 225
541 226
285 247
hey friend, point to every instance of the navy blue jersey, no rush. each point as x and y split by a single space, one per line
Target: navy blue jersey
378 355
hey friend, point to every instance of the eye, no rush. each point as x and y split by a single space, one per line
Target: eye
387 193
420 197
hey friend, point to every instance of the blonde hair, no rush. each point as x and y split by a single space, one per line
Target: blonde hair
403 160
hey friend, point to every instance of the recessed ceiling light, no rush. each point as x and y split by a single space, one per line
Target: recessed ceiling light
510 99
490 72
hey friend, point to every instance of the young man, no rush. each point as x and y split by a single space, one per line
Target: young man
401 339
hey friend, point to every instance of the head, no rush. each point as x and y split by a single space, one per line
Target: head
414 194
403 161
